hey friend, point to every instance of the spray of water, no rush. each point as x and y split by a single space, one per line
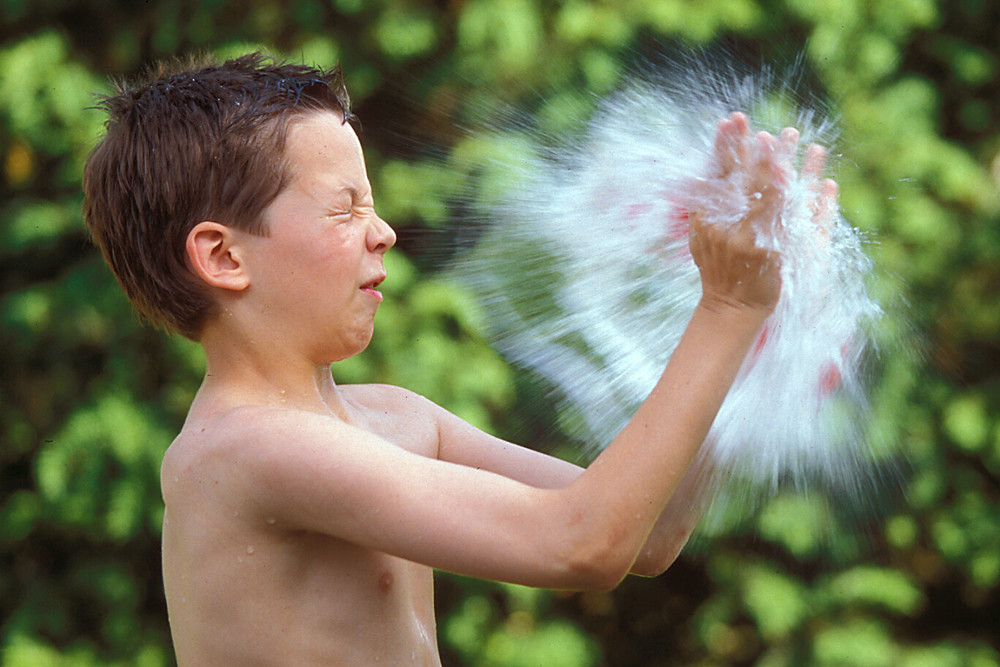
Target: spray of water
586 279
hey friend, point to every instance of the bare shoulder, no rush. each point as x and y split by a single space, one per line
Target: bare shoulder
208 446
256 456
251 460
240 432
245 432
401 416
389 398
217 434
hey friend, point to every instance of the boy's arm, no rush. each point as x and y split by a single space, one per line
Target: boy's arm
464 444
311 472
300 471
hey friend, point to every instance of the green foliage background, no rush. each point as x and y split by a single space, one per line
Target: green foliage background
90 399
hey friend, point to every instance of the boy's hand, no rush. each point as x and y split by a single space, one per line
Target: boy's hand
747 192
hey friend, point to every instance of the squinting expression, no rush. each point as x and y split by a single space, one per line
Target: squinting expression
322 259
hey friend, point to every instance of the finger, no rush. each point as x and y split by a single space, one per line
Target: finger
741 122
826 207
723 148
730 143
765 147
815 161
829 193
788 141
829 190
768 180
741 125
764 164
785 149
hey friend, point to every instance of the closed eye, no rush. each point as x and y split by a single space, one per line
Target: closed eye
359 211
342 213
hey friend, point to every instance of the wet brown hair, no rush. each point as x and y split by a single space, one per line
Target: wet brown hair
193 141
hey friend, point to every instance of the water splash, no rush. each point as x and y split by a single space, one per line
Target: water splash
586 279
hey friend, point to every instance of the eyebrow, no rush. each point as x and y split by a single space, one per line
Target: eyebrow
354 192
324 190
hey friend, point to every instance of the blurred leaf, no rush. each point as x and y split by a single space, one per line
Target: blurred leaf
43 95
777 602
102 466
23 651
18 516
966 422
869 585
499 35
554 644
406 32
857 643
36 222
797 522
902 531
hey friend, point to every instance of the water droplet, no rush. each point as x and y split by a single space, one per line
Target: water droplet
825 311
250 550
176 479
271 522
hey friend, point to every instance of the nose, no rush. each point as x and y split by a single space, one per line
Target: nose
381 236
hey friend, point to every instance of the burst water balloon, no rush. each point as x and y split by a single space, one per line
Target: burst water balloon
587 280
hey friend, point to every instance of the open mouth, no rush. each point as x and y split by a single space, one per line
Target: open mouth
371 287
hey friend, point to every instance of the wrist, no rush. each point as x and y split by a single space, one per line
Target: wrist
734 311
727 327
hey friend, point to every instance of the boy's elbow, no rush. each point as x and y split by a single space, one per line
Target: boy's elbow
652 565
599 565
595 575
604 570
591 547
655 559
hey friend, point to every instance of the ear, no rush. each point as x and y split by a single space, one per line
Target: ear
216 257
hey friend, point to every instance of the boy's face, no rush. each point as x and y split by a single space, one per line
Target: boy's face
316 272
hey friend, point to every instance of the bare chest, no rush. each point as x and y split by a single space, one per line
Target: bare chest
267 593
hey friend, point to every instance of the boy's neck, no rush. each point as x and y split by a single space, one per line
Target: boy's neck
242 371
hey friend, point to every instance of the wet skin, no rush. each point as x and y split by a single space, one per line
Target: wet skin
304 519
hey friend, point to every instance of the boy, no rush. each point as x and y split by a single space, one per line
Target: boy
303 519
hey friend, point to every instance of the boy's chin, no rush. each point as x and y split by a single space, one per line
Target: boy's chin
355 348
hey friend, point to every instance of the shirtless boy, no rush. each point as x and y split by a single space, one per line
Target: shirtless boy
304 519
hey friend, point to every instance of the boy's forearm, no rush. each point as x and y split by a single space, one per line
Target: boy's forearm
640 470
677 521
